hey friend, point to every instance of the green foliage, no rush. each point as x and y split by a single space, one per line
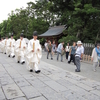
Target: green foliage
82 18
68 39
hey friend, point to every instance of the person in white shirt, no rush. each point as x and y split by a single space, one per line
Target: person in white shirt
20 48
78 55
33 54
10 46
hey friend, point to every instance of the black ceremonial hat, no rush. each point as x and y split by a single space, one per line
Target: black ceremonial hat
12 34
21 35
35 33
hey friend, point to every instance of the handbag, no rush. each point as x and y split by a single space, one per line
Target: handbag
98 58
62 52
69 58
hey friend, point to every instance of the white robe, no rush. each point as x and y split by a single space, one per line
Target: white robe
33 58
10 49
20 52
1 46
4 43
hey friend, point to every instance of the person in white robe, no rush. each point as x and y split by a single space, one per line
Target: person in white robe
4 42
1 45
33 54
10 47
20 48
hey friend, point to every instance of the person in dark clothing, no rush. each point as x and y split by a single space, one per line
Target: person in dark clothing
72 53
49 49
67 50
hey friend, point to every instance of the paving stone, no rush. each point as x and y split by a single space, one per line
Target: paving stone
90 83
64 82
12 91
6 80
71 95
45 72
46 90
29 76
37 83
54 76
30 92
96 92
14 76
85 87
75 82
11 70
44 78
54 85
78 90
6 65
39 98
2 97
92 97
54 96
21 98
21 82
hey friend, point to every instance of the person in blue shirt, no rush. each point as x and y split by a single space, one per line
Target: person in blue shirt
97 49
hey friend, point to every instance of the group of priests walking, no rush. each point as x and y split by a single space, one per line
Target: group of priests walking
30 53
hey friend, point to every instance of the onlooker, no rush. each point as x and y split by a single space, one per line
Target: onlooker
49 49
94 57
78 55
45 46
83 51
98 52
72 53
67 50
59 51
53 47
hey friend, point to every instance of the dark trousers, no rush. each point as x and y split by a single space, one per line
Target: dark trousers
72 57
48 54
67 53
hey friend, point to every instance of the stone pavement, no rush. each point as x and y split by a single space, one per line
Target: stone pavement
53 83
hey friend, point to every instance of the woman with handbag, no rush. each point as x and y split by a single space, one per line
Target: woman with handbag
72 53
67 50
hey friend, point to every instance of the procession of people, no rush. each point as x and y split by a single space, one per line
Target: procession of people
30 53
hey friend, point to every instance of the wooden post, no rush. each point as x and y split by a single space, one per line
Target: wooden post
86 57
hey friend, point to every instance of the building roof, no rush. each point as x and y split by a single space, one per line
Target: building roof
53 31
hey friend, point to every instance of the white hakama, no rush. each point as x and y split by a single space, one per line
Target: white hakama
33 58
10 47
20 48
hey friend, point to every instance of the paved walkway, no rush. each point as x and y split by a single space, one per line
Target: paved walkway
86 68
53 83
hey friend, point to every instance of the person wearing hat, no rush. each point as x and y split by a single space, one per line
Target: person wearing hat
20 48
78 55
33 54
10 47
